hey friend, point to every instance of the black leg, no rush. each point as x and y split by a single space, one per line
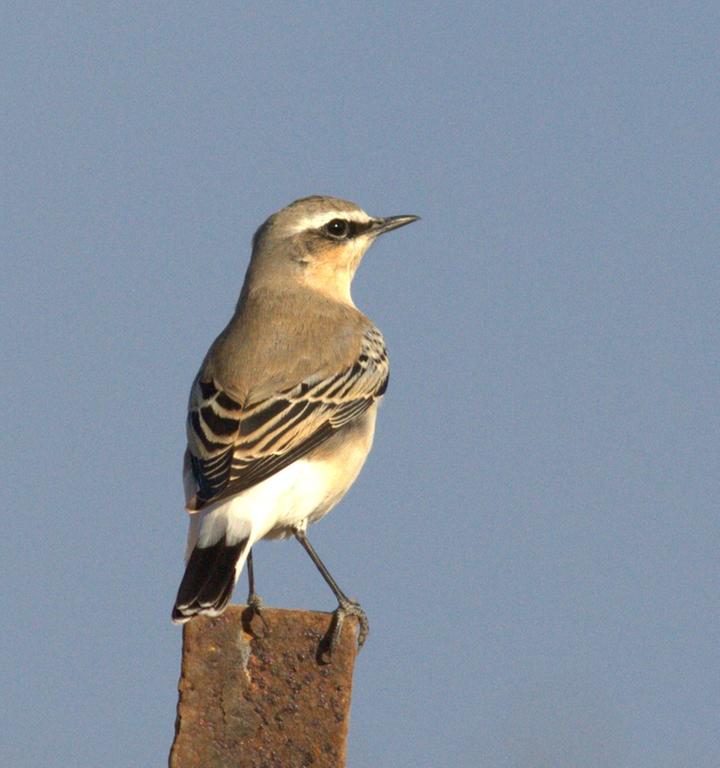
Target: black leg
346 606
254 601
252 597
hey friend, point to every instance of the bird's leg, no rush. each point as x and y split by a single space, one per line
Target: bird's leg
346 606
254 601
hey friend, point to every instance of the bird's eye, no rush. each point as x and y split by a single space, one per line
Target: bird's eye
337 228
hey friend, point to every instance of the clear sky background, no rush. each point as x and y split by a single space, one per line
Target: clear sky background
535 536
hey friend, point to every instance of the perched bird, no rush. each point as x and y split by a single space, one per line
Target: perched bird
282 413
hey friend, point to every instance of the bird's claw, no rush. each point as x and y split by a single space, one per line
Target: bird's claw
255 606
332 638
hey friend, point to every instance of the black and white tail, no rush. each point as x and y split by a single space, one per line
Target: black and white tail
208 582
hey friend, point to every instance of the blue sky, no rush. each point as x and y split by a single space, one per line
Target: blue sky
535 535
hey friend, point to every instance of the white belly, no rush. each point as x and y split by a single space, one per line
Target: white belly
293 498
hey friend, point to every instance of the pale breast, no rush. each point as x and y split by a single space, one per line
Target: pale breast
324 476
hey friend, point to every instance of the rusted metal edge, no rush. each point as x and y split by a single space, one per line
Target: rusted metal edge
258 695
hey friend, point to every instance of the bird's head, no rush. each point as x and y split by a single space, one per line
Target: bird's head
317 242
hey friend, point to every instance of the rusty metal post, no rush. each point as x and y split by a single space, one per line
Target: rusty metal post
262 700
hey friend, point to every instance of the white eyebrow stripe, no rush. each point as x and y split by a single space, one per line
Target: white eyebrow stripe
317 220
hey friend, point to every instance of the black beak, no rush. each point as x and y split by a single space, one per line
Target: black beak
392 222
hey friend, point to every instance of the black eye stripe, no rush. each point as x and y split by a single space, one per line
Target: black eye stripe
353 228
359 227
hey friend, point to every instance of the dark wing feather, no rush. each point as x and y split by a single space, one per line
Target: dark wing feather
234 446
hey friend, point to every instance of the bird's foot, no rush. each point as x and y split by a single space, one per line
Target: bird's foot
332 638
255 607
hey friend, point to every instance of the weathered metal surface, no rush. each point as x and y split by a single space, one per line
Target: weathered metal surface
257 697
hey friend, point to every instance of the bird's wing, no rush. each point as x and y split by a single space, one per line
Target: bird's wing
233 446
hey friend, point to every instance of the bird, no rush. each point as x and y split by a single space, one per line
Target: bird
281 414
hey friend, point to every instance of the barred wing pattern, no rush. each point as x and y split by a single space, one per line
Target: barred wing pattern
234 446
